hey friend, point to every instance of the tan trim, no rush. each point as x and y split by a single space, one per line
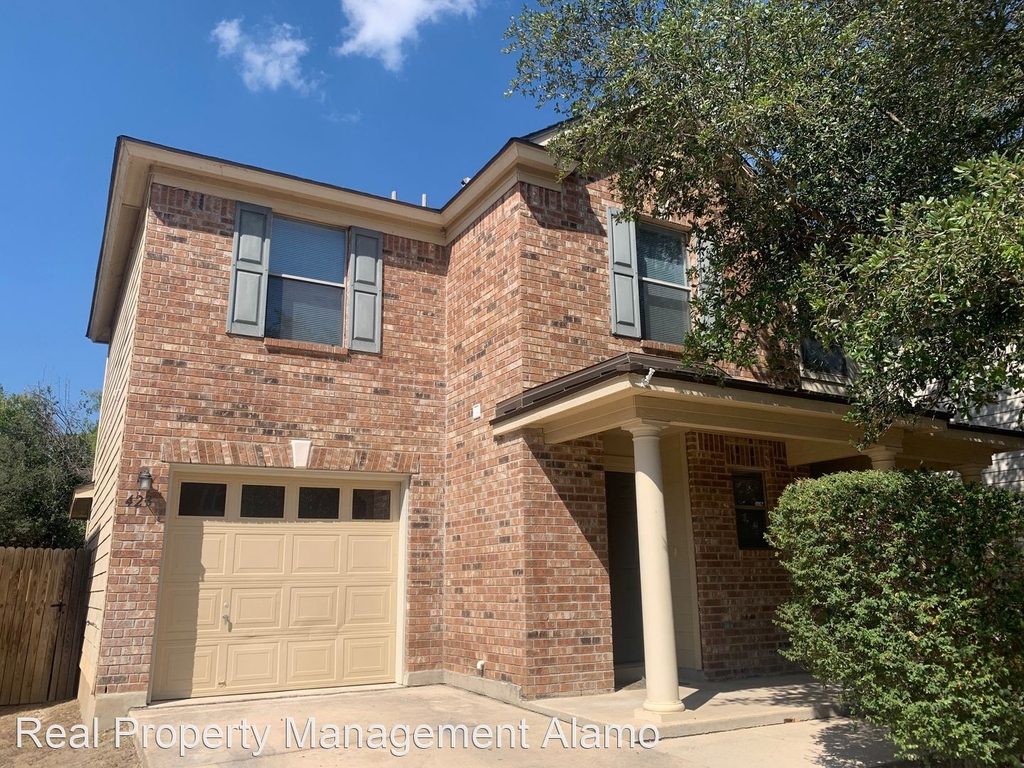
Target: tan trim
122 226
462 216
693 406
800 452
593 422
234 176
591 396
404 510
813 430
749 398
618 464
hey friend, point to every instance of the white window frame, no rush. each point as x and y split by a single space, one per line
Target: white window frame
686 287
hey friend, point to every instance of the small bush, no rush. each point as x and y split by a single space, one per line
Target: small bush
908 592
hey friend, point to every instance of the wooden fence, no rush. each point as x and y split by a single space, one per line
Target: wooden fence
43 596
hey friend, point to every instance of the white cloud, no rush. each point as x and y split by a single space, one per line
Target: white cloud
273 60
344 117
379 28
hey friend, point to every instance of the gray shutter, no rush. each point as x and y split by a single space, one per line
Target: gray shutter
702 248
251 260
365 289
624 281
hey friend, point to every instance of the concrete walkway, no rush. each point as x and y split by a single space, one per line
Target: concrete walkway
528 738
710 707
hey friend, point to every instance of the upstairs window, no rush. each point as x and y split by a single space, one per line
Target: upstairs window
306 286
649 280
303 281
664 290
816 359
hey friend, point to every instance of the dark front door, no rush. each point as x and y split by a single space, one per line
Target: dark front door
624 564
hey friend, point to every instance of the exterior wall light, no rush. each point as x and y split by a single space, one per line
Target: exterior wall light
145 481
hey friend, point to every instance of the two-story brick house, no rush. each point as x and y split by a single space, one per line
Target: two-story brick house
347 440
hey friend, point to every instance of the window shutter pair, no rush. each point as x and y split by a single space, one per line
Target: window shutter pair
251 264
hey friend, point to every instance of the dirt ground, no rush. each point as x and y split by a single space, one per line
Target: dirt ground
63 713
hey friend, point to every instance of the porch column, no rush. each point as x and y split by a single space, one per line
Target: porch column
882 457
660 667
971 473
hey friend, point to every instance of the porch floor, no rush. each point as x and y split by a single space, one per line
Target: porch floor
710 707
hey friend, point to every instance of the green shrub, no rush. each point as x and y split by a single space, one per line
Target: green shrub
908 592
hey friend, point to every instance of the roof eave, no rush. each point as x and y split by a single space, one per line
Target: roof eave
136 160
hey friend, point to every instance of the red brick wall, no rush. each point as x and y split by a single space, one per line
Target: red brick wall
565 290
484 582
566 294
737 590
526 552
526 583
568 598
189 379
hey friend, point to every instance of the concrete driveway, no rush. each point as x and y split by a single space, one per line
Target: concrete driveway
303 730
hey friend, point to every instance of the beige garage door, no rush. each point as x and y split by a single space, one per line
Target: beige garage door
274 585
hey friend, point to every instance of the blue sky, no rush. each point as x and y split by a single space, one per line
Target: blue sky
375 95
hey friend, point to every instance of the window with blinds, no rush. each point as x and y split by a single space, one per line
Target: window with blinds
664 288
306 282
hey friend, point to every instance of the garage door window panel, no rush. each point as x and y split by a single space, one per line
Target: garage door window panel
319 503
263 502
202 499
371 504
306 570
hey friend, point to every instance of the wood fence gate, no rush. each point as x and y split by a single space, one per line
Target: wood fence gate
42 621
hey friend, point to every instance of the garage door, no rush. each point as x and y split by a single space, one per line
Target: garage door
276 585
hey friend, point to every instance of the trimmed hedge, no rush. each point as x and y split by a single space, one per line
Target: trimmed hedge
908 591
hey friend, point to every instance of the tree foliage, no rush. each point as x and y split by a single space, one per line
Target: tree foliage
46 449
908 591
788 130
952 270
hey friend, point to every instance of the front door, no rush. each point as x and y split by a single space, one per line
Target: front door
624 564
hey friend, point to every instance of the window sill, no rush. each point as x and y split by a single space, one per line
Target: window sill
662 348
834 378
825 383
307 348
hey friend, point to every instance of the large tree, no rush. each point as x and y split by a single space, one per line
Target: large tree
46 449
794 133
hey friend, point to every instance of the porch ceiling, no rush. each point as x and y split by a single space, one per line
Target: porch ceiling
813 429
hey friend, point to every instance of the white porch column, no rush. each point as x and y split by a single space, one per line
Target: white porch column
882 457
971 473
660 667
